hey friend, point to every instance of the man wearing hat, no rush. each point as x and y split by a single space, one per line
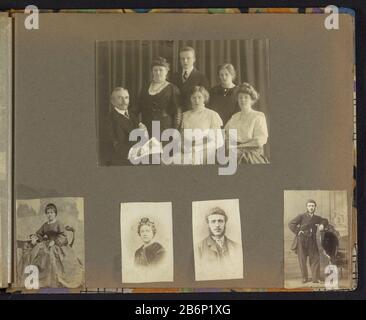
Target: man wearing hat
217 252
305 227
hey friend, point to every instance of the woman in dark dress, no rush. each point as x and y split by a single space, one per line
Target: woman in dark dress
223 97
159 101
150 253
51 252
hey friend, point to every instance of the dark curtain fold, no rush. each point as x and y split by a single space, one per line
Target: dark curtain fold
128 64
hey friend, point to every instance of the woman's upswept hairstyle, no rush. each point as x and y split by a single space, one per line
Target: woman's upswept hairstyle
160 61
50 206
228 67
146 222
201 90
247 88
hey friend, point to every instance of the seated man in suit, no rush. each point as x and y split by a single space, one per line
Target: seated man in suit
188 77
120 124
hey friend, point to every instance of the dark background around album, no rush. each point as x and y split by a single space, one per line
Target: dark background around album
359 7
58 137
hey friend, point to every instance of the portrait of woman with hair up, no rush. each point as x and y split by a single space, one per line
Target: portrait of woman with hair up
151 252
159 101
146 242
205 119
223 98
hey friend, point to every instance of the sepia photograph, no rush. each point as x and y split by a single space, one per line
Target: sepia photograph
50 237
182 102
147 242
317 244
217 241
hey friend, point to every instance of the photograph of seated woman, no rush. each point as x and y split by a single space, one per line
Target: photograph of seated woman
150 253
251 127
204 118
159 101
223 98
50 250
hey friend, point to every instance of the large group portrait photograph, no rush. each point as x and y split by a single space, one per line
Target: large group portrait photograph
189 102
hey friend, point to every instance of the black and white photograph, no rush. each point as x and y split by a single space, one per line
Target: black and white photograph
147 242
316 239
182 102
50 236
217 240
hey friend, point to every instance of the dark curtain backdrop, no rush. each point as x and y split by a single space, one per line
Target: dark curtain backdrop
128 64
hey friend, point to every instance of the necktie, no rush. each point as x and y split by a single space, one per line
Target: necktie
127 115
185 76
220 242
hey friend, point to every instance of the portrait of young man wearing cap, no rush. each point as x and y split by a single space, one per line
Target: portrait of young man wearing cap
305 227
217 255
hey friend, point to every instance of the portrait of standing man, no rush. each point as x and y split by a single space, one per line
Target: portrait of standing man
305 227
317 246
188 77
218 254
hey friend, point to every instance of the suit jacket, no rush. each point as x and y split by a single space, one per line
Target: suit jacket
210 253
119 128
196 78
303 222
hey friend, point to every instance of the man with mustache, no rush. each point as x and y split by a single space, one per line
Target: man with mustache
120 123
217 250
305 227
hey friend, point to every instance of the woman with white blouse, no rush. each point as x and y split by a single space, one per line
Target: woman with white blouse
208 122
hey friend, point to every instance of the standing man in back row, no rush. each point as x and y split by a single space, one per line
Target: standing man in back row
188 77
305 227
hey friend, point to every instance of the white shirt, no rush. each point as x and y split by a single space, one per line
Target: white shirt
188 71
248 127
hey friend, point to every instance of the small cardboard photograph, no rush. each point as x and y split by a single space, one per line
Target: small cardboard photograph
316 235
218 253
50 243
147 242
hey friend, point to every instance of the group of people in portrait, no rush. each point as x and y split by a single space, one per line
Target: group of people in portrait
222 118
